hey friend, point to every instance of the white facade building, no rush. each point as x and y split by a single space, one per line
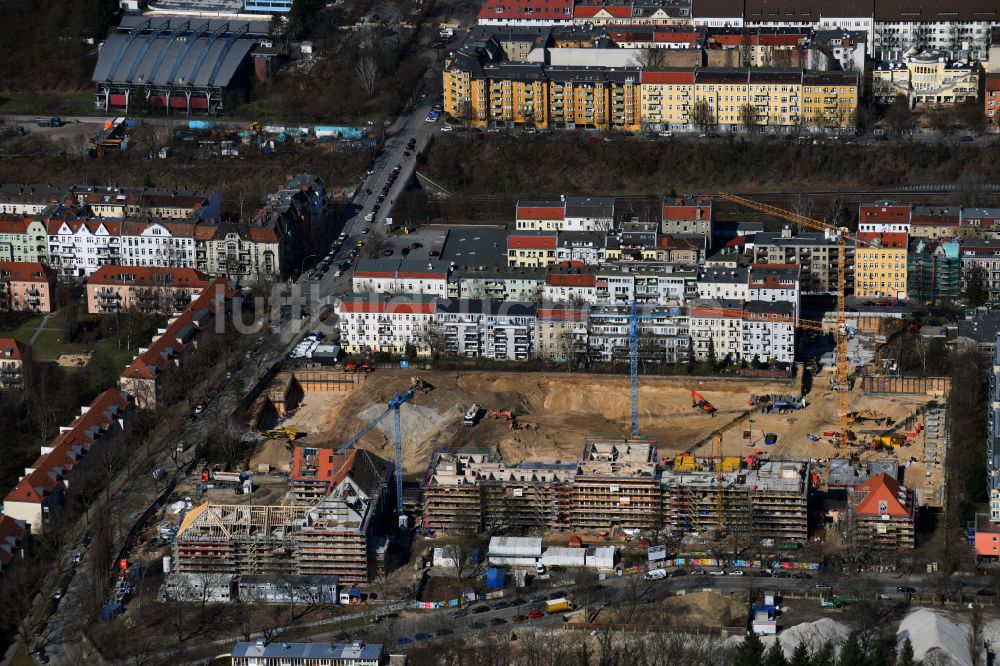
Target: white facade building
768 331
718 324
401 276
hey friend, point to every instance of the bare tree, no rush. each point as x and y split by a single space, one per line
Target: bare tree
368 73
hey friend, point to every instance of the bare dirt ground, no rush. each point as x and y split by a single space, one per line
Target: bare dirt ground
702 609
566 408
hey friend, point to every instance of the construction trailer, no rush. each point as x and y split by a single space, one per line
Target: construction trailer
331 536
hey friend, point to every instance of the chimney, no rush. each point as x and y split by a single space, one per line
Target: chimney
697 213
786 231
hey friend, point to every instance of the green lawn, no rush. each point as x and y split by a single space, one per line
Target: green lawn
49 343
21 658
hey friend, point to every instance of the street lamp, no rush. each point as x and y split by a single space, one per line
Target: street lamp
303 265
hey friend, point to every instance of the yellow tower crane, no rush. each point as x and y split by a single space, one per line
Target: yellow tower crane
842 235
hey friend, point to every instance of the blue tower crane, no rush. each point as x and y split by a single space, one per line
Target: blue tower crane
392 407
633 357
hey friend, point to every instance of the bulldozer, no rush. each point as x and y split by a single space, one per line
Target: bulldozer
291 434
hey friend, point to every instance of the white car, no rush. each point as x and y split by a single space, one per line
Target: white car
665 134
717 572
446 128
198 409
738 572
369 217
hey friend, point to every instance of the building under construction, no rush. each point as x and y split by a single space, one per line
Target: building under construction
320 532
763 500
617 485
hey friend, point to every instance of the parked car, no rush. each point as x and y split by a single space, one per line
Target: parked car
480 609
905 589
717 572
738 572
824 586
535 614
500 605
458 614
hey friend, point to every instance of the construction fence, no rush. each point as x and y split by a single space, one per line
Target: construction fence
939 386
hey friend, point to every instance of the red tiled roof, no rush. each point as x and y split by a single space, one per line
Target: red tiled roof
895 239
682 78
149 275
515 242
25 271
713 312
571 279
754 39
672 212
590 11
12 533
663 36
563 314
67 447
670 242
424 275
264 234
877 490
205 231
374 274
538 10
11 348
10 224
539 212
887 214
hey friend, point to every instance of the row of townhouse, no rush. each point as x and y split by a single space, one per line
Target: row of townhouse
678 46
614 283
114 289
483 93
562 331
78 229
39 493
145 376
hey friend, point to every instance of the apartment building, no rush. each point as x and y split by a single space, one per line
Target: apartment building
369 324
486 329
571 285
881 513
662 331
526 12
616 487
667 97
658 283
13 354
991 102
23 239
150 203
568 213
717 325
145 376
769 331
764 47
759 500
38 494
27 287
498 283
724 284
772 283
814 252
113 289
880 266
689 214
930 222
561 331
18 200
531 249
980 257
926 79
330 536
401 276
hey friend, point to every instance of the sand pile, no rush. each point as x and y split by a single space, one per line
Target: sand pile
415 421
815 634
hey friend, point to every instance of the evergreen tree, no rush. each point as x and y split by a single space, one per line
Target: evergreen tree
749 652
884 653
825 656
800 657
851 653
775 655
905 655
711 359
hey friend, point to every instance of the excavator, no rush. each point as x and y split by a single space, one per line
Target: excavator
504 414
291 434
698 401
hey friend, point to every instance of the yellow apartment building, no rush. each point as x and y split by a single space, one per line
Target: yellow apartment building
880 267
666 96
829 99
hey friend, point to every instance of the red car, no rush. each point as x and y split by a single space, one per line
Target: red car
535 614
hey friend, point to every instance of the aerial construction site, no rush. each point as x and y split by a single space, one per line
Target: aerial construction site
546 417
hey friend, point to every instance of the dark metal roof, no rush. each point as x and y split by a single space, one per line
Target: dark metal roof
193 55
